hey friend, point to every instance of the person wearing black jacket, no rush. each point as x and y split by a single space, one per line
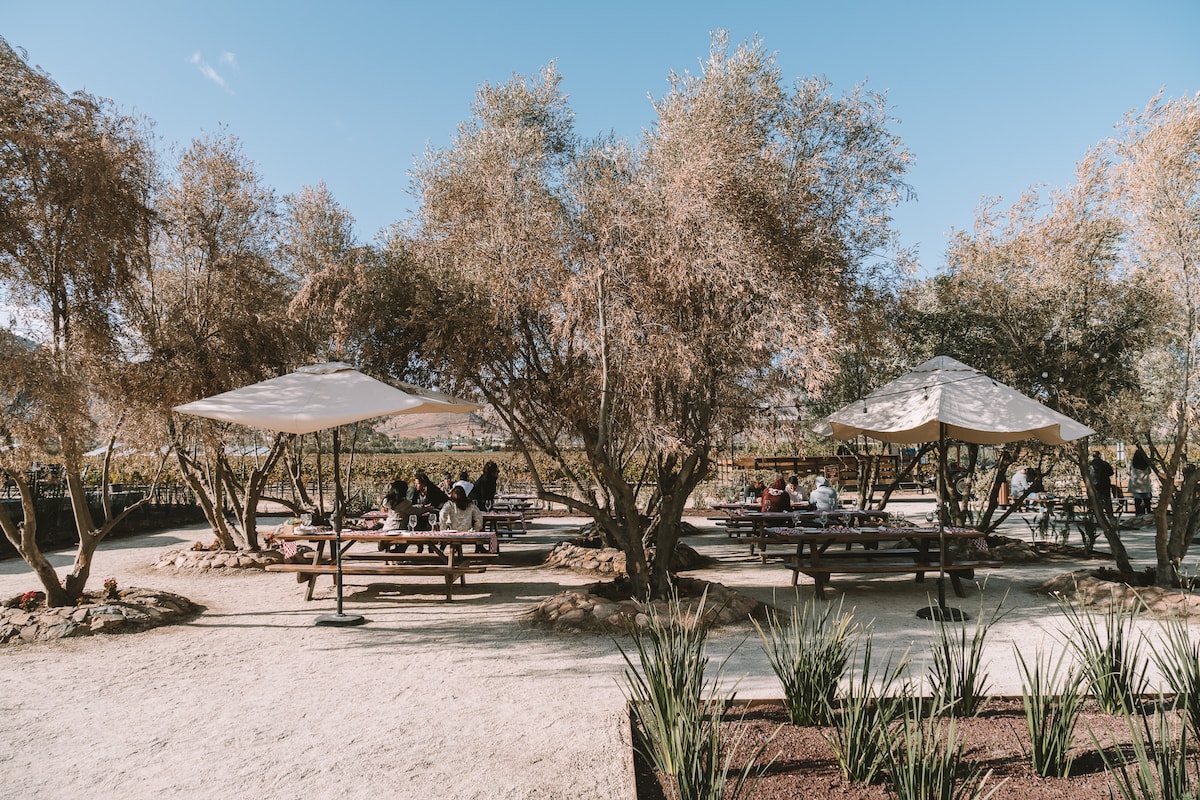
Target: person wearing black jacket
427 499
483 493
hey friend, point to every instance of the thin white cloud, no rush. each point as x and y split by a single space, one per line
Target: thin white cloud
229 59
207 71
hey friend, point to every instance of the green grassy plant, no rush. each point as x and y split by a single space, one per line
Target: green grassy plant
809 656
1110 655
957 677
1053 703
859 734
1178 658
678 715
926 760
1163 766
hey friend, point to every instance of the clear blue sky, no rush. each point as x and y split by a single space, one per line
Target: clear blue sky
990 98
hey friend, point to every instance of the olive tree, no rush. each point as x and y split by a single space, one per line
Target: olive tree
1155 170
75 225
212 316
1034 296
636 300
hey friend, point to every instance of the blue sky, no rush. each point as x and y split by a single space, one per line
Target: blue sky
990 98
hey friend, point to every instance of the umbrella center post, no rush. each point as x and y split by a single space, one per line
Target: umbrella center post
941 611
338 619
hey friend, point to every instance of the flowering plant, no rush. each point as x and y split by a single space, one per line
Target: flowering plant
110 588
29 600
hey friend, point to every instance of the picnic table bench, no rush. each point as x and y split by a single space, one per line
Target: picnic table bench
445 557
917 552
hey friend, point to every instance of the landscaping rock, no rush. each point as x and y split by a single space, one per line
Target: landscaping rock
133 610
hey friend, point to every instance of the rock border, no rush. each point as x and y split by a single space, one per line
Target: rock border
204 560
1083 587
588 609
132 610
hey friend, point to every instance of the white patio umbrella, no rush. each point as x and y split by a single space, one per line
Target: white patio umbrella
944 398
315 398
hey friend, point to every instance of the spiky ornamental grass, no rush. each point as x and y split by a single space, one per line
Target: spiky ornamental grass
1164 764
957 679
859 736
926 760
1110 655
678 717
1050 693
1178 658
809 656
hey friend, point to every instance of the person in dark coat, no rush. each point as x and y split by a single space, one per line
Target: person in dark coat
776 497
1100 473
483 494
426 497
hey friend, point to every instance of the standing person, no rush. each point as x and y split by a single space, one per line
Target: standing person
1100 473
484 492
824 497
1139 482
426 499
775 498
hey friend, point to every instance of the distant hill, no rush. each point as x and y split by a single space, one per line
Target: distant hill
440 426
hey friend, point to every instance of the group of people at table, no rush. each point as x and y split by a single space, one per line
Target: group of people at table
789 495
426 506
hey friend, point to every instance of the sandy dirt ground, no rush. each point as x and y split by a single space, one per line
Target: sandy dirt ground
427 700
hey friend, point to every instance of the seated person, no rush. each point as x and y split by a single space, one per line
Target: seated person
776 497
399 509
460 514
796 492
426 498
824 497
754 490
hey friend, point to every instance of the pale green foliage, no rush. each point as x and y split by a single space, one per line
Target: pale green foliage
1053 700
75 176
808 653
677 712
1156 189
642 298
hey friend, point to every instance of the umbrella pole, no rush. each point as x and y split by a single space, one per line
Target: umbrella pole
941 610
339 619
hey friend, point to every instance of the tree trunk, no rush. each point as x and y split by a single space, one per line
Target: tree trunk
23 536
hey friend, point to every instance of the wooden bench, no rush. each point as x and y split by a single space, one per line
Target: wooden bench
497 520
820 572
309 572
820 554
736 527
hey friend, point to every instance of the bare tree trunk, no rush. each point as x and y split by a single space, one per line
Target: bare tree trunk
23 536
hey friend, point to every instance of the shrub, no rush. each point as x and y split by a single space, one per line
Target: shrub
809 657
1110 656
1053 702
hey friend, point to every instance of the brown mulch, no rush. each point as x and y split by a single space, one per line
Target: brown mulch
804 765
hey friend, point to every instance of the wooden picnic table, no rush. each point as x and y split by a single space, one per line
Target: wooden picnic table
445 555
861 551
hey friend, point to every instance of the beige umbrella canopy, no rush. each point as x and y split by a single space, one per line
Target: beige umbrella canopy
945 397
314 398
320 396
